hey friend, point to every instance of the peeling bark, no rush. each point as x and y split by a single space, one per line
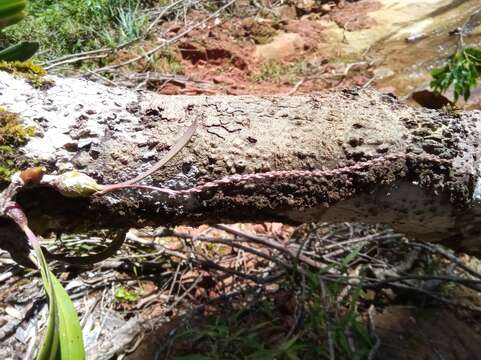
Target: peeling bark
366 157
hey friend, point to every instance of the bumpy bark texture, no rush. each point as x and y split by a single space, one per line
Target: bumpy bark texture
366 157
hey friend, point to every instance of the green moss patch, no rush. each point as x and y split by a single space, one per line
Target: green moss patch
27 70
12 135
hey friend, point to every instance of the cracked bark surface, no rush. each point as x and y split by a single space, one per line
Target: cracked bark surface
414 169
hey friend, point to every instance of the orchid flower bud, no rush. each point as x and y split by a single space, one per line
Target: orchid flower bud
76 184
33 175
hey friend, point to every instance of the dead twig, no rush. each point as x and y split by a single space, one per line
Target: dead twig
437 249
372 329
234 244
186 292
272 244
296 87
76 59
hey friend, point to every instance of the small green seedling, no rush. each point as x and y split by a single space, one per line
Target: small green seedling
124 295
461 72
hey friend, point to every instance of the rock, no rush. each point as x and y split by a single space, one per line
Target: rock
259 31
425 331
387 90
241 7
383 72
306 6
355 16
284 46
82 160
325 8
285 12
415 37
222 79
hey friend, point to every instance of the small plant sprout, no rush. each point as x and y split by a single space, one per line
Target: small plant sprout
462 72
462 69
124 295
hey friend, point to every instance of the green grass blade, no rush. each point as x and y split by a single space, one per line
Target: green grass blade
63 339
49 348
71 340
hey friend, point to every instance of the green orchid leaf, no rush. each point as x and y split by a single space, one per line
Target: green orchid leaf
11 7
12 19
11 12
63 339
19 52
70 332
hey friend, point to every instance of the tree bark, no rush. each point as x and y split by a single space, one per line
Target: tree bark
365 156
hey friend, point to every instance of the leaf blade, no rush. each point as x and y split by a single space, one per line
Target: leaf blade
19 52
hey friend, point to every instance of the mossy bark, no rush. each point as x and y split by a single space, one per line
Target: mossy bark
12 135
422 182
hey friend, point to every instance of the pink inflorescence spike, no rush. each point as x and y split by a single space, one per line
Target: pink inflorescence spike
285 174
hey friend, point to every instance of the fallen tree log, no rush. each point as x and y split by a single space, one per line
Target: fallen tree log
357 156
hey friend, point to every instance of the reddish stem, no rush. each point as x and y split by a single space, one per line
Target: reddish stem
115 187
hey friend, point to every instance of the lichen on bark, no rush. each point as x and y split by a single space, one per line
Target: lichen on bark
12 135
27 70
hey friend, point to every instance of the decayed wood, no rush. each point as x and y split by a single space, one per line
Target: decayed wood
345 156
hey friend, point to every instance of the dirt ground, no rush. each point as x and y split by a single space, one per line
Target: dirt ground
257 56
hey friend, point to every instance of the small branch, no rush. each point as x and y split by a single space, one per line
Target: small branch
272 244
437 249
296 87
76 59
